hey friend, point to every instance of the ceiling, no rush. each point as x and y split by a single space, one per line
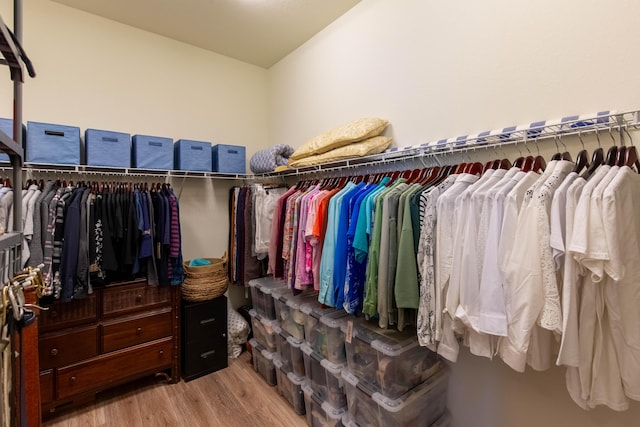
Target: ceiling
259 32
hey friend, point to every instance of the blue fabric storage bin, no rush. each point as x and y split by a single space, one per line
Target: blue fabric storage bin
6 126
152 152
50 143
228 158
192 155
107 148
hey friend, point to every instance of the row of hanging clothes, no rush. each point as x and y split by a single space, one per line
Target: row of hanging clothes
533 262
250 211
97 232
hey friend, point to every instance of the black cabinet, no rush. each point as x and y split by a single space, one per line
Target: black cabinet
204 337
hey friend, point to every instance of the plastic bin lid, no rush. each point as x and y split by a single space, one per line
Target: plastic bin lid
332 412
355 381
294 342
317 311
278 363
267 284
296 379
396 405
391 342
306 349
308 391
333 368
268 323
256 345
335 319
268 354
296 301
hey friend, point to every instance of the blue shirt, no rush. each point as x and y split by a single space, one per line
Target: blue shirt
354 281
326 295
363 229
340 255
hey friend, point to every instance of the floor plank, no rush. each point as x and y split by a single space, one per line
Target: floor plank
236 396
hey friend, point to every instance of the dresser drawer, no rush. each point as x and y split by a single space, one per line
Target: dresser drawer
46 386
203 357
66 314
68 346
204 320
113 368
128 298
133 330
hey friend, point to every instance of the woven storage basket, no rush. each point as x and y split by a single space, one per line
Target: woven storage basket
205 282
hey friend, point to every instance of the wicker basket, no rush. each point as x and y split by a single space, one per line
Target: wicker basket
205 282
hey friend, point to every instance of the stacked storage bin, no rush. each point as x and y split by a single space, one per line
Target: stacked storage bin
290 386
261 290
263 362
289 310
390 379
324 359
263 324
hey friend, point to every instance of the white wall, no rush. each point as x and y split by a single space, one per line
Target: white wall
97 73
439 69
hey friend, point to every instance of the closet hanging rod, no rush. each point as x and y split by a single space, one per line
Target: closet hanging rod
100 171
433 153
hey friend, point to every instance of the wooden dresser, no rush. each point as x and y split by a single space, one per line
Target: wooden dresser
121 332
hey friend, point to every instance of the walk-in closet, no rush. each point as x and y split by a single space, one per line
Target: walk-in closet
322 213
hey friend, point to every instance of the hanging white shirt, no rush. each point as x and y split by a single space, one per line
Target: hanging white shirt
445 229
621 204
492 310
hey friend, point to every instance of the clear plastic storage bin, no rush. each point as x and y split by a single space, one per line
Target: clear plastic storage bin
324 377
319 412
391 362
263 362
289 351
290 386
420 407
288 311
261 295
263 330
323 333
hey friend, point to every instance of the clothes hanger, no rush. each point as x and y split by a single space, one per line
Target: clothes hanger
582 159
631 156
597 159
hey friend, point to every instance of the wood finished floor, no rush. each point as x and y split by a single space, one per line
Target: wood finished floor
235 396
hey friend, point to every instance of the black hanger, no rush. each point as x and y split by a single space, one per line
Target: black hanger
631 159
621 156
611 156
581 161
517 163
597 159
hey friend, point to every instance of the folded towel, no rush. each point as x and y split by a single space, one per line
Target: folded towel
265 161
198 262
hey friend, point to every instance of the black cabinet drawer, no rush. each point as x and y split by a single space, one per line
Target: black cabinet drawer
204 320
203 357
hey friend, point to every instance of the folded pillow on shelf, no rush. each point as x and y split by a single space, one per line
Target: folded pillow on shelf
267 160
357 130
375 145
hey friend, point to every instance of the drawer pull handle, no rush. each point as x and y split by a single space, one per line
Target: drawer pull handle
207 321
161 352
54 314
139 331
207 354
54 352
72 380
139 298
